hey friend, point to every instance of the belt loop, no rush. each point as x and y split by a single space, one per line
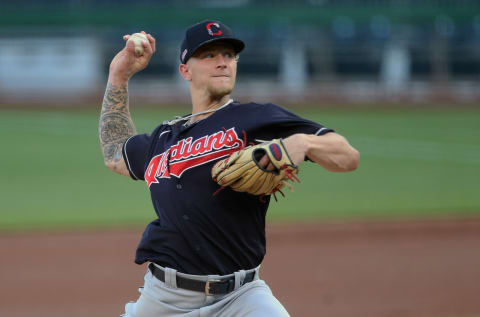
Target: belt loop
239 278
257 273
170 277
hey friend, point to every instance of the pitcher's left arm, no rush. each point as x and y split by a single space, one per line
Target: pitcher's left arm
331 150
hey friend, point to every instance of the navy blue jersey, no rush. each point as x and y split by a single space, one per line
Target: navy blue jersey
197 232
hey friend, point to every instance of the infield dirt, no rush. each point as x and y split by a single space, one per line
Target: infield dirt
421 268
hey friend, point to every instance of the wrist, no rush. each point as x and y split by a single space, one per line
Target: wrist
308 143
118 80
304 140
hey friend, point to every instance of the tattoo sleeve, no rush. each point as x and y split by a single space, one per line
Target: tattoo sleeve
115 124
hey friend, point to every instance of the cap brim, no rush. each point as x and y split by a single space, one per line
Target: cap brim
237 44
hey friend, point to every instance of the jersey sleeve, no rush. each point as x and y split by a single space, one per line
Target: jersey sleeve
283 123
137 151
135 154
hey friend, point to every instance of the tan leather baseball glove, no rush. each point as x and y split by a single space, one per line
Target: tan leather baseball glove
242 172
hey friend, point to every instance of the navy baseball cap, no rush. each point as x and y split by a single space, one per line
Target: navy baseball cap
206 32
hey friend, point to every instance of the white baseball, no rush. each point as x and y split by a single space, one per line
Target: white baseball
137 39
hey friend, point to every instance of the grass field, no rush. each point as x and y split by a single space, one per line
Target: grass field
414 163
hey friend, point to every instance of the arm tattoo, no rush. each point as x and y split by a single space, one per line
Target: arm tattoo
115 125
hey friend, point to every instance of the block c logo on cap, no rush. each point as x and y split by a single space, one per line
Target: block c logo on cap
209 29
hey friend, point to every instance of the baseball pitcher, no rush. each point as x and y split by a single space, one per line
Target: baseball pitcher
211 175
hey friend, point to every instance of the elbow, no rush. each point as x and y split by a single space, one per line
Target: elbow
337 155
113 166
117 167
350 158
353 160
110 165
347 162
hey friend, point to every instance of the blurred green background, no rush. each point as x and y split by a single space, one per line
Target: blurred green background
414 164
398 78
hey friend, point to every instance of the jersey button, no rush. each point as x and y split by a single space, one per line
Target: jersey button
179 186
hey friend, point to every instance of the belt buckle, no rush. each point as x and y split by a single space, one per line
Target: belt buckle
207 286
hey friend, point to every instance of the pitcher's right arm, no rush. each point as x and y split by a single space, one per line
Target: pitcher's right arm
116 124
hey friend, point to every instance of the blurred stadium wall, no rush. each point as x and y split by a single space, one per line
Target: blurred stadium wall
305 51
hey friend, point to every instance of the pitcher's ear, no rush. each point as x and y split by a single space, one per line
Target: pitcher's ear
184 70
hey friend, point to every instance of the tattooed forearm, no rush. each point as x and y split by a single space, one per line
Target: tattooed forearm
115 124
116 98
114 127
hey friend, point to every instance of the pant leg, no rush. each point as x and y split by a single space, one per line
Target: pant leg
161 299
254 299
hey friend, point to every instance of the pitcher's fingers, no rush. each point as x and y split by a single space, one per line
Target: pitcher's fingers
151 39
130 47
126 37
265 163
147 47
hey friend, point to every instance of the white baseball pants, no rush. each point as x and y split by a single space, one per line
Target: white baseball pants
254 299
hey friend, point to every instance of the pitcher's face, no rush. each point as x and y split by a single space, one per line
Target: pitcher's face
213 68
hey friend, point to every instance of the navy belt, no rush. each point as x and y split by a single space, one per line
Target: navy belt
220 286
